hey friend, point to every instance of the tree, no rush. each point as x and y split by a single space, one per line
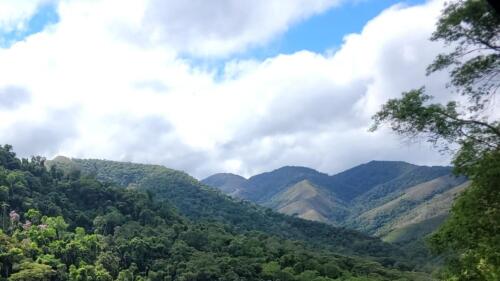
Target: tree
470 236
33 272
473 229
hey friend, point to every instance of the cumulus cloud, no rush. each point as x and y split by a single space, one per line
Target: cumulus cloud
207 28
94 94
41 134
14 15
12 97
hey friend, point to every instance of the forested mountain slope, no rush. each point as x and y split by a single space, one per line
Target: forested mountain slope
404 209
62 225
201 203
263 187
373 197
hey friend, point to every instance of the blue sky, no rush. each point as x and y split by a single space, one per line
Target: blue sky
321 33
45 15
326 31
318 34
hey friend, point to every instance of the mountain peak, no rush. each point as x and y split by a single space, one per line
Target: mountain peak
224 175
227 182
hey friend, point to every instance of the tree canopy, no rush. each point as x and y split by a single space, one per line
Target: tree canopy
470 238
69 226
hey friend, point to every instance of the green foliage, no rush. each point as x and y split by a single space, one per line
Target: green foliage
30 271
73 227
201 204
472 233
473 28
470 237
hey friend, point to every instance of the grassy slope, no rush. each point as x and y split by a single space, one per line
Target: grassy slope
392 214
308 201
425 214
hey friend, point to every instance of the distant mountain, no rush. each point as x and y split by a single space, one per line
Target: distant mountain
385 191
305 200
405 208
378 197
411 224
356 181
261 188
230 184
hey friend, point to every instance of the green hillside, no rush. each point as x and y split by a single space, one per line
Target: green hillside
404 209
378 198
263 187
63 225
424 214
307 201
383 192
201 204
358 180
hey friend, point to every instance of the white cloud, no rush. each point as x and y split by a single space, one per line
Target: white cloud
93 94
221 27
15 14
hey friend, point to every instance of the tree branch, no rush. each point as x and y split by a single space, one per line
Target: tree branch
468 121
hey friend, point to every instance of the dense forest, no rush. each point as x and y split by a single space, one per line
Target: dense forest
60 225
203 204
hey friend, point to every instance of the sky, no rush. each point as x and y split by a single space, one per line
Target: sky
215 86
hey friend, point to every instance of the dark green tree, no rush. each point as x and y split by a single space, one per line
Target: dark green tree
470 237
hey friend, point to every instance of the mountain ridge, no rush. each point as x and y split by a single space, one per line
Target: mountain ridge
199 202
357 191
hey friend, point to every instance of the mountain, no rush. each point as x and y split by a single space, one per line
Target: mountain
373 197
201 203
358 180
408 206
307 201
62 223
262 187
228 183
425 215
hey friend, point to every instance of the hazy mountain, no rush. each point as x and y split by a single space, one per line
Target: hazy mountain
228 183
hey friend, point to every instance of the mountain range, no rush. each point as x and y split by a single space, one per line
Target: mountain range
201 203
74 219
394 200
